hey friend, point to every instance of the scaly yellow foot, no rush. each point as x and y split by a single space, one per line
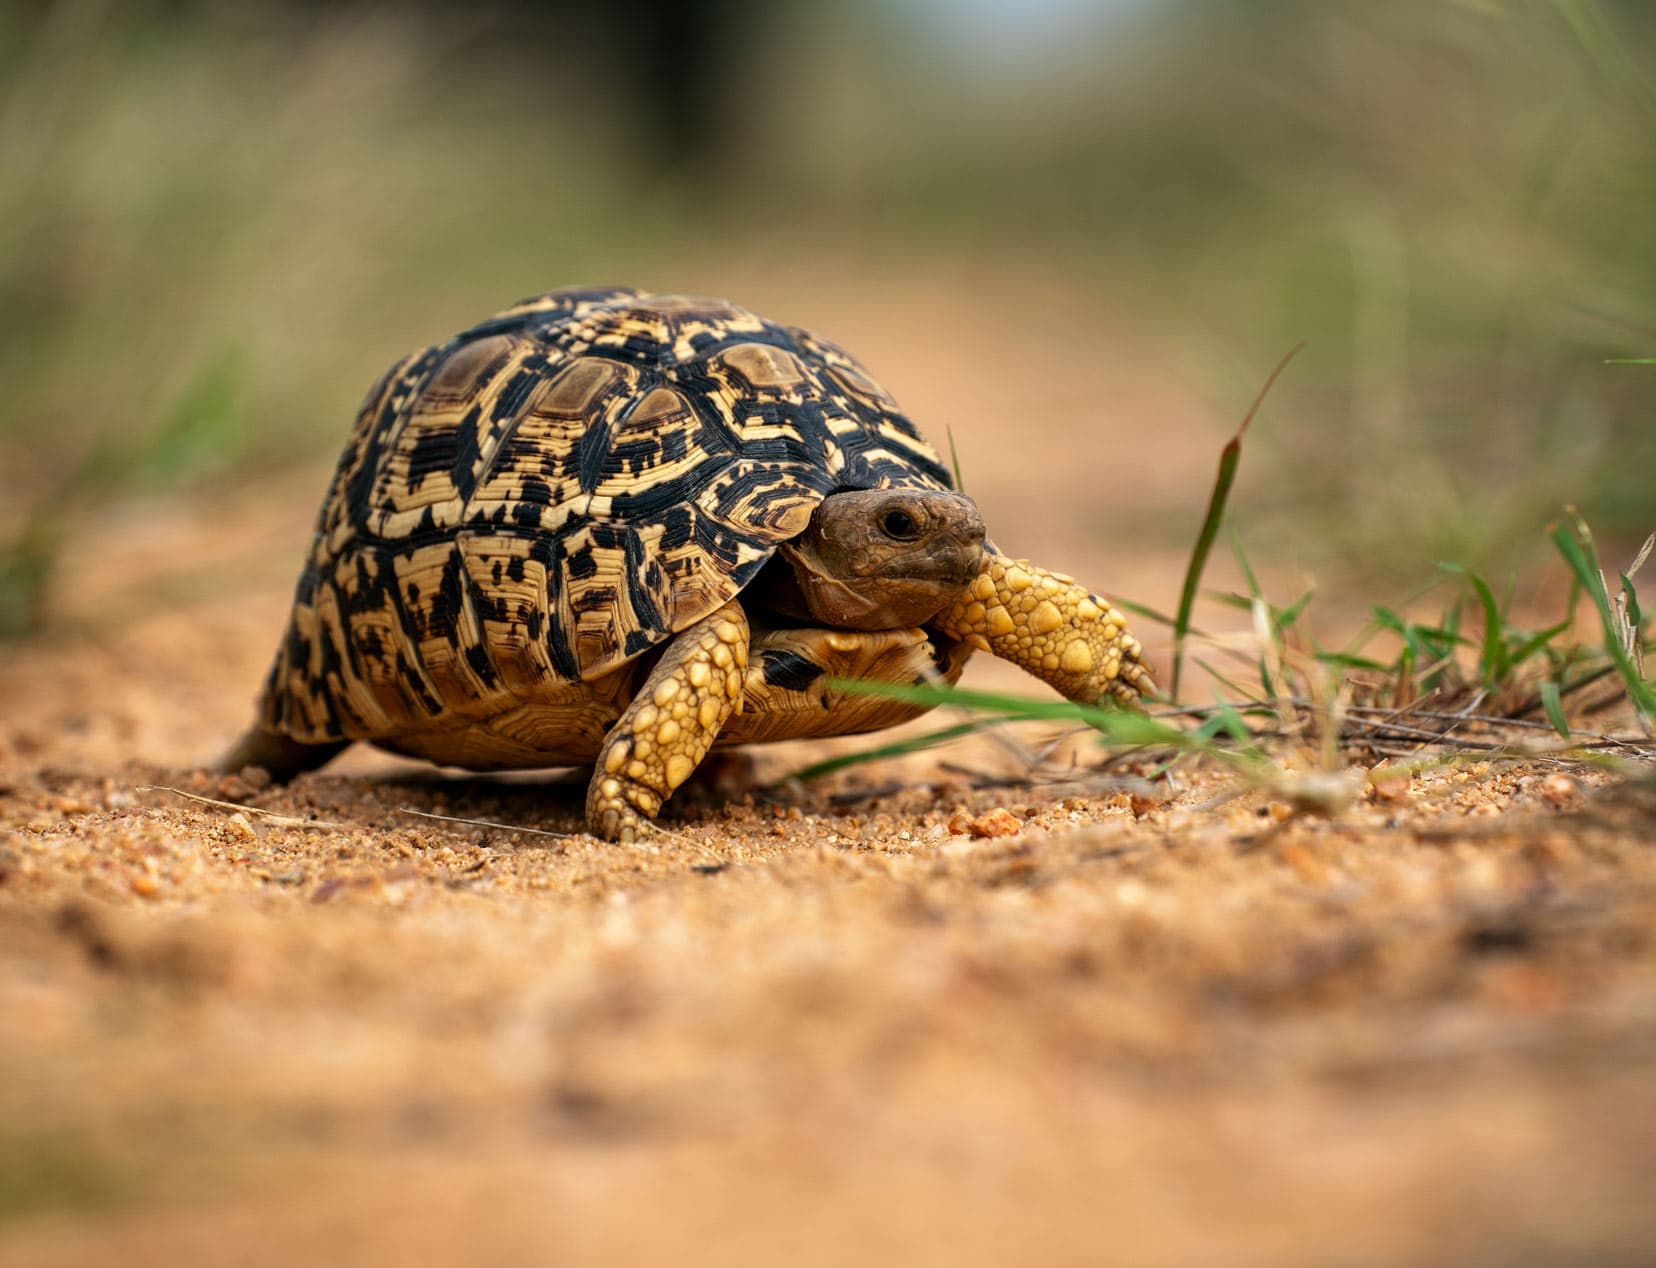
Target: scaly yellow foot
1047 624
670 724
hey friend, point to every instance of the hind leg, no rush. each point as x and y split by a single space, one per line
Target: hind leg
281 757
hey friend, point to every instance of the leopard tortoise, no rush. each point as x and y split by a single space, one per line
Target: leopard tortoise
614 527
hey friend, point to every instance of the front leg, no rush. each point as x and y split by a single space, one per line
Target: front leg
671 723
1047 624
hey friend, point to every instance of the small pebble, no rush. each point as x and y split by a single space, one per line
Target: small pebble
996 823
1559 789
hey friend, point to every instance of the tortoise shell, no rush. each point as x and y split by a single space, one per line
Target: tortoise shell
559 489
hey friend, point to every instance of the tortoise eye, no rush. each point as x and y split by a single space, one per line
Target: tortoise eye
901 525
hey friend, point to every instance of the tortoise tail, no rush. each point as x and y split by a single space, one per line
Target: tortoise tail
281 756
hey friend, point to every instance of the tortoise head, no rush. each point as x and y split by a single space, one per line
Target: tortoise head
881 559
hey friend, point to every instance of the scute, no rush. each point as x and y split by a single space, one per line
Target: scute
559 489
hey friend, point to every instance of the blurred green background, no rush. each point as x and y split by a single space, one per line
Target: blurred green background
219 221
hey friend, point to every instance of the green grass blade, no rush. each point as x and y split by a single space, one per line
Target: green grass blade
1230 684
1450 625
1267 681
1229 457
1286 617
965 698
1119 726
1124 728
1535 642
1346 660
1386 619
1227 722
931 739
1492 660
1554 707
1149 614
1248 577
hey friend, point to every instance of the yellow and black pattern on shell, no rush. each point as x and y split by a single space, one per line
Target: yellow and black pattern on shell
556 491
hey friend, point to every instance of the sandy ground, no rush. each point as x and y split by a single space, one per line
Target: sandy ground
823 1025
